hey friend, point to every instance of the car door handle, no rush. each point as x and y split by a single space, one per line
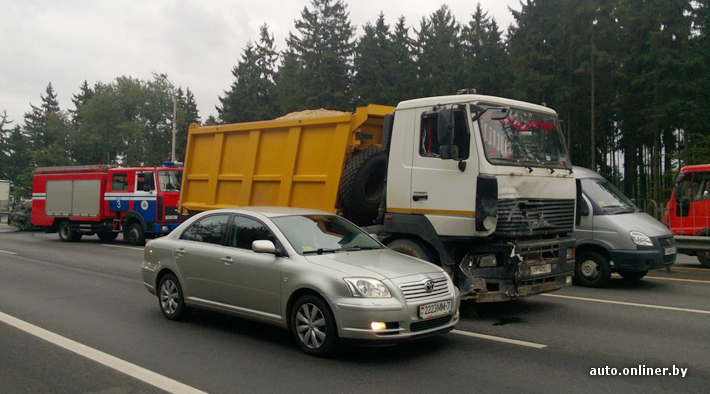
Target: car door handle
180 252
227 260
420 196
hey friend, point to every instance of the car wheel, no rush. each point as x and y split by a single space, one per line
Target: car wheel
632 276
410 248
313 326
134 234
107 236
66 234
170 297
592 270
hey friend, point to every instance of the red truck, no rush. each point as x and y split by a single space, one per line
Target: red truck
688 212
140 202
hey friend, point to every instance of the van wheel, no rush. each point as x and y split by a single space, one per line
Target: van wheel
592 270
704 259
362 185
632 276
410 248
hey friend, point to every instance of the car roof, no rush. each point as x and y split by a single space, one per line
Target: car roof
583 173
272 212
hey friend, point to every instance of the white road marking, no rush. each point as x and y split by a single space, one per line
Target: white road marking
668 308
152 378
124 247
499 339
7 252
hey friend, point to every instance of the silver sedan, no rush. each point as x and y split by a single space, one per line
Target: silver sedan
310 271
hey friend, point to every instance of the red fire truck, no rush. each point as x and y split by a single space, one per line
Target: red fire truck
688 212
106 200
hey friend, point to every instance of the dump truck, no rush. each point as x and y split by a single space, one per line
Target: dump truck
140 202
481 185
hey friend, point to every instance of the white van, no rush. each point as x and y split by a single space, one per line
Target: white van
613 235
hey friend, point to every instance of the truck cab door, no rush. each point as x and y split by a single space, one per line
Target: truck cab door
144 201
444 189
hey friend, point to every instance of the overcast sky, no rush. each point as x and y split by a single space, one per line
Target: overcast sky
195 42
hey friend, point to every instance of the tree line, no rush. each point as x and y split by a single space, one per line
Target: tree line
629 78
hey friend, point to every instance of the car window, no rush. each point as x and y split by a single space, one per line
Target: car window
209 229
245 231
310 233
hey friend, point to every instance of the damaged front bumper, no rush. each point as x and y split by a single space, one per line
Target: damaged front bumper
523 269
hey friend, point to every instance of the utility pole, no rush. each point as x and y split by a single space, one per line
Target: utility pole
172 92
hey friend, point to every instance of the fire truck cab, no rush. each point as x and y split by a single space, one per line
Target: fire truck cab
139 202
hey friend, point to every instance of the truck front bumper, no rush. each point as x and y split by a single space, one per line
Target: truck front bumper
641 260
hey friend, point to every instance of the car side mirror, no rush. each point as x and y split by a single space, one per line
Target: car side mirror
263 246
585 208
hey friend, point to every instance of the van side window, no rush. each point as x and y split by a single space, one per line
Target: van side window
429 138
119 182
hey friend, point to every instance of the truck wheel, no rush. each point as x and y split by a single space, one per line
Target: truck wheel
107 236
67 234
592 270
632 276
410 248
134 234
362 185
704 259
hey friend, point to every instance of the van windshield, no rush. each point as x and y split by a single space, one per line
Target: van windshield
607 196
523 138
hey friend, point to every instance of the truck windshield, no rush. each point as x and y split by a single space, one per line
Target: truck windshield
170 180
607 196
523 137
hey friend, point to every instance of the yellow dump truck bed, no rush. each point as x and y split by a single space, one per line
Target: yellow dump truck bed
284 162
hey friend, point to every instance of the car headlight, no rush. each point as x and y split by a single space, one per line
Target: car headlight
640 238
367 288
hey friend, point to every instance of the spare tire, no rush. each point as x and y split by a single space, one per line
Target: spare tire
363 184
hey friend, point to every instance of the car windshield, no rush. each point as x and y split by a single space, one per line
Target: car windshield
170 180
323 234
607 196
523 138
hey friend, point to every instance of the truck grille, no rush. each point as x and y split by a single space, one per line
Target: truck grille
666 241
531 217
417 291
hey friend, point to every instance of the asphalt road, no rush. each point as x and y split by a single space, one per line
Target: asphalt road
88 297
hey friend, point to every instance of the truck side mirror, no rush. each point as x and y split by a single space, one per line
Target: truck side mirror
445 134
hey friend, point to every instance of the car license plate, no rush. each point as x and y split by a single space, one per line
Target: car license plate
671 250
541 269
171 217
434 309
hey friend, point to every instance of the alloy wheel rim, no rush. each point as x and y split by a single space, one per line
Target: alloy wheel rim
169 297
311 326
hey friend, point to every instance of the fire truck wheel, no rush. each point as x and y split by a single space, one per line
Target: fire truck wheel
66 234
134 234
107 236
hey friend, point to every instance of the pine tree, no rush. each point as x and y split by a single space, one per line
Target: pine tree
485 60
374 62
47 130
324 48
403 70
439 54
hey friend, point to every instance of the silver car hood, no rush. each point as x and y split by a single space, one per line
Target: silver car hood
378 264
